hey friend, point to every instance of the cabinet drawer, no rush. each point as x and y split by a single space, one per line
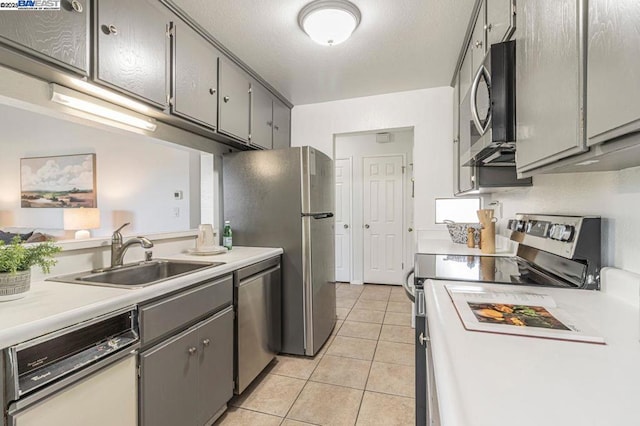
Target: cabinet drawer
166 315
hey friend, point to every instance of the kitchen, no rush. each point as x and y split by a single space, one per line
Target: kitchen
161 181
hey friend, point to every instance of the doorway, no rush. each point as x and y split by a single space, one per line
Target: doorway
374 206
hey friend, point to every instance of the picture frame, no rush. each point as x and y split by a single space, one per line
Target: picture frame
63 181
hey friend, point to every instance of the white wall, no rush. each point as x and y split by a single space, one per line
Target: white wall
357 146
136 175
613 195
428 112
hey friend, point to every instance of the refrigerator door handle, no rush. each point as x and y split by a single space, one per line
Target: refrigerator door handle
318 215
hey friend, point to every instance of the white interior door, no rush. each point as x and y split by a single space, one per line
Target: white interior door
343 220
383 219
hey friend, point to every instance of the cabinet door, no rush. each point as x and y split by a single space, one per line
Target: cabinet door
281 125
215 360
456 134
478 42
132 48
195 76
613 68
500 21
234 101
61 36
169 376
261 117
549 83
465 73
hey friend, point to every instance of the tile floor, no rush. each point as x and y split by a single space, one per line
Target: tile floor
364 374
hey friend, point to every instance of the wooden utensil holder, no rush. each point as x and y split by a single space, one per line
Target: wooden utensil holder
488 238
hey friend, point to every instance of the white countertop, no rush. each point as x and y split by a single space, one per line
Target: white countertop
486 379
504 247
50 306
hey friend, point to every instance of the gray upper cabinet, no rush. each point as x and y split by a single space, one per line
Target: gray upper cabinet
281 125
194 88
500 20
234 98
478 42
549 82
261 117
60 36
613 68
131 39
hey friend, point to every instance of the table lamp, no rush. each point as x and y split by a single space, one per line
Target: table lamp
81 220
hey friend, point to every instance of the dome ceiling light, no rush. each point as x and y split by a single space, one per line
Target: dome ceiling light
329 22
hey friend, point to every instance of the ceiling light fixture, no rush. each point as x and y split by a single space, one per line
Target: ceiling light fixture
97 107
329 22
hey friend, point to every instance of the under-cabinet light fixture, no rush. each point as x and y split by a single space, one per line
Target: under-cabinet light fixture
329 22
81 102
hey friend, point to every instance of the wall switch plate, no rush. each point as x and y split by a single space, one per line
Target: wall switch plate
177 195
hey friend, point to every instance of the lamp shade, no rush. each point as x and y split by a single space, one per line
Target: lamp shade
329 22
81 220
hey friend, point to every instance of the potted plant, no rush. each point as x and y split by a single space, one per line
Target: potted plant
16 260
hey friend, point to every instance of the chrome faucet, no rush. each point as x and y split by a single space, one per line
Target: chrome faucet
118 248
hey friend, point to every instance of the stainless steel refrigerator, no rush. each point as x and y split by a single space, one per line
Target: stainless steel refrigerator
285 198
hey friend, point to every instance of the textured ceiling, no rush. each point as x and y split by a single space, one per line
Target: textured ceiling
399 45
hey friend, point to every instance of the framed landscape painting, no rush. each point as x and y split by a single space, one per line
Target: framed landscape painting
66 181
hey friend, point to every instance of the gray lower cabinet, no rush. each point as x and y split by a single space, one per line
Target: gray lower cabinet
61 37
188 378
281 125
194 88
261 117
501 20
549 82
234 101
612 71
131 39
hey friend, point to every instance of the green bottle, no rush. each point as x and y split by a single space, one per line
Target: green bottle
226 235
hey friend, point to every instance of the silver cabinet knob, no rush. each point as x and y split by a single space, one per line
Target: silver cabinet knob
192 350
410 229
212 91
77 6
366 226
488 27
112 30
269 123
346 226
206 342
478 44
276 127
422 339
226 99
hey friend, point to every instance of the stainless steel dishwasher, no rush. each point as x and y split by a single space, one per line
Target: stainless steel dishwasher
82 375
258 325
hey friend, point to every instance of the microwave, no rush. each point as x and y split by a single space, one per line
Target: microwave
488 111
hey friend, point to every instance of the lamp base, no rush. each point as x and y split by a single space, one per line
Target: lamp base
82 234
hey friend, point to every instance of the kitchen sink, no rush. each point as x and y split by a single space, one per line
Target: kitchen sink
136 275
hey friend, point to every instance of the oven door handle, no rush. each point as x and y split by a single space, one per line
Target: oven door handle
474 97
408 288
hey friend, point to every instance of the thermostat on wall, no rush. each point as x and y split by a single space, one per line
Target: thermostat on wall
177 195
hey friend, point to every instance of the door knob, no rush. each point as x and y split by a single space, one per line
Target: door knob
346 226
366 226
192 350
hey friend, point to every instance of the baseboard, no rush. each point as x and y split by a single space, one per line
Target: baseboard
357 282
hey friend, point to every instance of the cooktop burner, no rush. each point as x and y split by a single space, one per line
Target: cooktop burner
490 269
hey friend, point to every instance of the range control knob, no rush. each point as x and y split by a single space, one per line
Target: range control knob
561 232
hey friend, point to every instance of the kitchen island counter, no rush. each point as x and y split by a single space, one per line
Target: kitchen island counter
487 379
51 306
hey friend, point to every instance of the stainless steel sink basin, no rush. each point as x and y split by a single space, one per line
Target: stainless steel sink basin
136 275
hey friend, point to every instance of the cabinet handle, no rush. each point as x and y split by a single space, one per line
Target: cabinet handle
422 339
276 127
212 91
269 123
478 44
225 99
192 350
488 27
366 226
346 226
77 6
206 342
112 30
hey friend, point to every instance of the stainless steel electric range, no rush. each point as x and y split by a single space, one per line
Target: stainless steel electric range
553 251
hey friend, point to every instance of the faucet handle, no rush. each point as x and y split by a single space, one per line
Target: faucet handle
120 229
148 256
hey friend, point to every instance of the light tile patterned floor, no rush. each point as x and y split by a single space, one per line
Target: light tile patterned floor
363 375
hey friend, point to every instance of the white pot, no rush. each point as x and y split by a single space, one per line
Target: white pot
14 286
